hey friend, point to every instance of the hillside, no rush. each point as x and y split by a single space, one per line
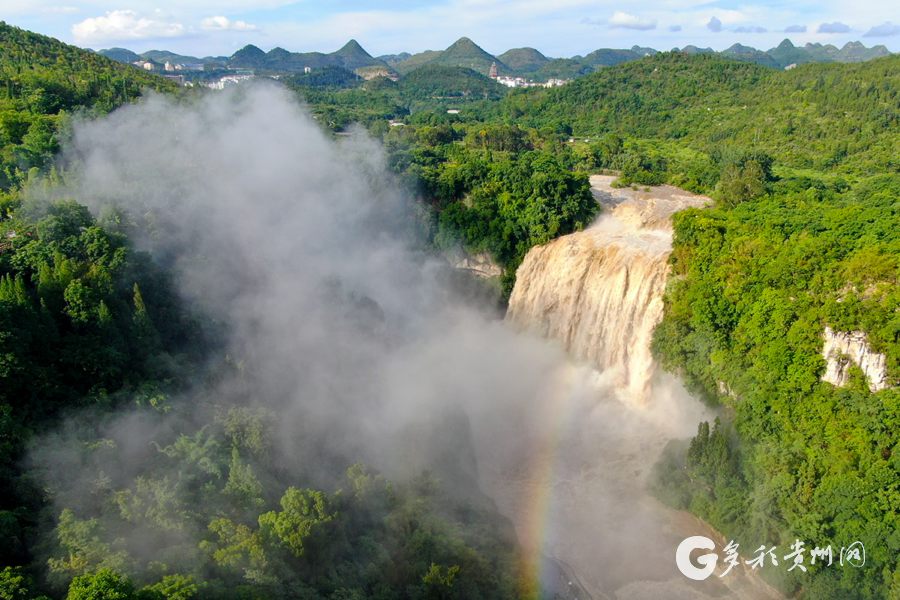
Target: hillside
163 56
437 81
608 57
42 79
352 56
414 61
466 53
526 62
326 78
250 56
42 82
563 68
120 54
529 62
795 247
393 59
786 53
748 54
523 60
159 56
30 59
808 117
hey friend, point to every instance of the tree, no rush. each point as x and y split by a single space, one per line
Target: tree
742 181
303 515
14 584
104 584
174 587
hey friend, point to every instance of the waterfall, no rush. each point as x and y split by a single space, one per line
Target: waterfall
599 291
578 498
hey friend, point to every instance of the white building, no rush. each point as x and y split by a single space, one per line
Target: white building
521 82
228 80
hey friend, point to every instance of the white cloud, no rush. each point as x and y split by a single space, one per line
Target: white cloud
750 29
125 25
629 21
836 27
714 24
220 23
885 29
795 29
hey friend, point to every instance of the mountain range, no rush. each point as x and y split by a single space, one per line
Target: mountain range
527 62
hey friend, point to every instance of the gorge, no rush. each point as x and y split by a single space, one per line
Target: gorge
598 294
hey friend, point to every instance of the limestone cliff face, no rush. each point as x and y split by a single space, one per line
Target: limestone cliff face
481 265
599 291
843 348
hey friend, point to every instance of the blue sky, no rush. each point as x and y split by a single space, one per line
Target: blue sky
556 27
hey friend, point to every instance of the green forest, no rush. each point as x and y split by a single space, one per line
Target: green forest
89 323
804 234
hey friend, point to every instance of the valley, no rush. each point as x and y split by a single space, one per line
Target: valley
386 328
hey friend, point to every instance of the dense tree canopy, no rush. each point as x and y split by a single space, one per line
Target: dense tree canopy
839 118
756 284
42 81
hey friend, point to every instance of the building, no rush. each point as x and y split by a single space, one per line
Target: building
521 82
228 80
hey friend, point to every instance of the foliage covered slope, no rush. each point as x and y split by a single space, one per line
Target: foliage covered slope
41 81
839 118
755 286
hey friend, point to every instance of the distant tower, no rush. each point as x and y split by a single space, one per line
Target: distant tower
493 72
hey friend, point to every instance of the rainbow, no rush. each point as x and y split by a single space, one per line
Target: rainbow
558 413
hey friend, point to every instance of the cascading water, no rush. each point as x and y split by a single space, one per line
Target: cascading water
599 291
578 497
